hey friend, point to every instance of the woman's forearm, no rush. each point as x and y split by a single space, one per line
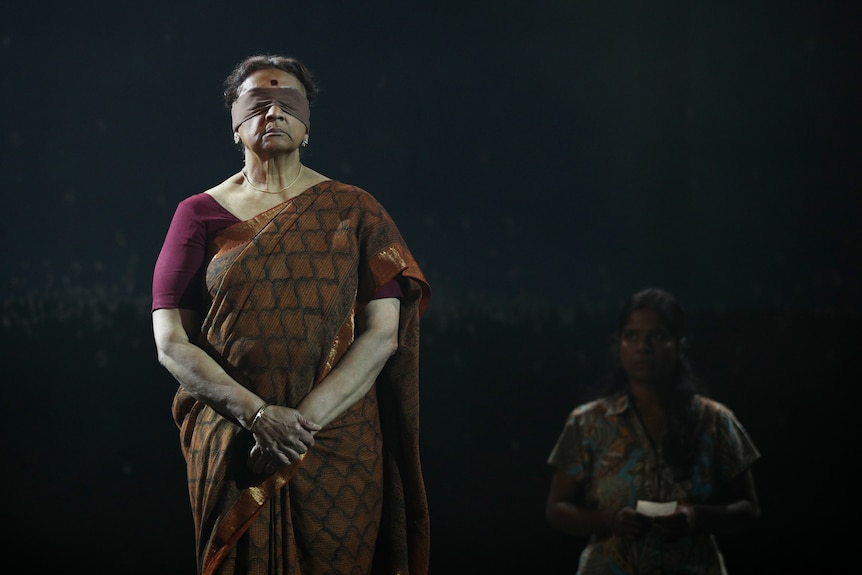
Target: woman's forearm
568 518
198 373
725 518
350 380
743 511
201 376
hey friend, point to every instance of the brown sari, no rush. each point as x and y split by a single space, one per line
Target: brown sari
285 288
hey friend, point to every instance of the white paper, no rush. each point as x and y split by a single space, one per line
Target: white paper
654 508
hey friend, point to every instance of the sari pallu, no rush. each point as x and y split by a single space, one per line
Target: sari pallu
285 288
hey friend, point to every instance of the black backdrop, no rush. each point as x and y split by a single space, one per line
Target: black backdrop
543 161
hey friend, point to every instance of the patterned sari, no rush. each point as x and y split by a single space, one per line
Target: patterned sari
284 290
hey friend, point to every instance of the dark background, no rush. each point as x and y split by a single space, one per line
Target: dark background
542 159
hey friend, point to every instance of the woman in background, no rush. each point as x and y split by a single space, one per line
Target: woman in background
653 468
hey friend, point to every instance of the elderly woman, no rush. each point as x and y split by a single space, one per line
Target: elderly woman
652 469
287 306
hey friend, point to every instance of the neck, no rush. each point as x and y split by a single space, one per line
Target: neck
646 396
273 175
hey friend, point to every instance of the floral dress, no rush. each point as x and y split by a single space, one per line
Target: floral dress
604 445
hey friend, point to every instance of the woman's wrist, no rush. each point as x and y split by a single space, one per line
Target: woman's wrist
691 512
258 414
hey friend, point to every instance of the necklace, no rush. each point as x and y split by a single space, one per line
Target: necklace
253 187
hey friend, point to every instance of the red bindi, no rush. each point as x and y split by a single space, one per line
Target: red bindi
273 82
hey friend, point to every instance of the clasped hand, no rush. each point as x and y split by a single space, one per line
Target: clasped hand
630 524
282 435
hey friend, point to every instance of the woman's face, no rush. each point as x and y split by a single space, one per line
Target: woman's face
276 131
648 351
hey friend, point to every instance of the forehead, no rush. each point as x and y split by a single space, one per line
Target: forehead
644 319
271 78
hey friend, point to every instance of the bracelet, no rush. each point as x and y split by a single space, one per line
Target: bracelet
257 416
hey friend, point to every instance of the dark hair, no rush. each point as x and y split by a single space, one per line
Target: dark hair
682 423
667 307
673 318
266 62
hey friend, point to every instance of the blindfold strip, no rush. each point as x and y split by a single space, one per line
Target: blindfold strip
257 101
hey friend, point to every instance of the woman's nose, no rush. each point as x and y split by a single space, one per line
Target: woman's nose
644 344
274 112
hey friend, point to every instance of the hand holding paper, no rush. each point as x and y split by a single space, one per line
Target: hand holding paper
655 508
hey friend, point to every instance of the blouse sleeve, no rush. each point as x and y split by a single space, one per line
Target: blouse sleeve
390 289
735 451
177 277
568 453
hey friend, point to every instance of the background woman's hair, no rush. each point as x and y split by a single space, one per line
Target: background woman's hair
683 428
257 62
673 317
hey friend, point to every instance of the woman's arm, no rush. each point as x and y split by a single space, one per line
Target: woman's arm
347 383
197 372
281 432
355 373
200 375
741 511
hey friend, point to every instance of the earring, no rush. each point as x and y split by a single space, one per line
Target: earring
305 140
236 137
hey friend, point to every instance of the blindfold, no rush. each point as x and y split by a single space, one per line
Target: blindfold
258 100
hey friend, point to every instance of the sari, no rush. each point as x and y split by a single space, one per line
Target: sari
283 290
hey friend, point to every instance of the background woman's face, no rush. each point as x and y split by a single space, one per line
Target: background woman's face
649 353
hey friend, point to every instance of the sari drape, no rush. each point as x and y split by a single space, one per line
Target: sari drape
284 289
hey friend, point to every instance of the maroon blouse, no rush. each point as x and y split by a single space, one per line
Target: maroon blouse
178 274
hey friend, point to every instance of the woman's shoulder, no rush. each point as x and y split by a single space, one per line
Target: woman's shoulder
345 189
198 201
200 206
599 406
709 404
208 198
351 196
713 408
333 185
